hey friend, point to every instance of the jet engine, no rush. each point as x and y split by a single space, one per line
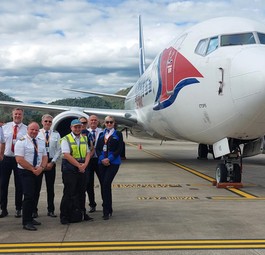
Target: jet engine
62 121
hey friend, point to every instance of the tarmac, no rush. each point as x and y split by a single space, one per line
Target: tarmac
164 202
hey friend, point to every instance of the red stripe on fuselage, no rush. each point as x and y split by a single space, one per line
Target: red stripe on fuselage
174 67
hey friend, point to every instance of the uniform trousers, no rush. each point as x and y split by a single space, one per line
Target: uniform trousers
73 193
91 170
29 183
50 180
9 164
106 176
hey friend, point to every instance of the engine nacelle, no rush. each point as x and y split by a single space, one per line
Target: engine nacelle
62 121
253 148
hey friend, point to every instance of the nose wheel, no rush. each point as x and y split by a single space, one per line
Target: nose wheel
229 172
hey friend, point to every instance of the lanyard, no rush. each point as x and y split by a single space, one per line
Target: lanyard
35 146
47 141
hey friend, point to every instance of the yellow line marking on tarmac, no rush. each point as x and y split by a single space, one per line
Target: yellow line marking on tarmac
133 245
238 192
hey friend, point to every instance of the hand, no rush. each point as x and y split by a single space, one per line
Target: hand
105 162
82 167
38 170
49 166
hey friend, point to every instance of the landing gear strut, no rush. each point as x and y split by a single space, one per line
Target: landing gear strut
230 171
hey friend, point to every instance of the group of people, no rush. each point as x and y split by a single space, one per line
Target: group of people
31 152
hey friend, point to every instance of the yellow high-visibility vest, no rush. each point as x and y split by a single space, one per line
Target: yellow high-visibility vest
78 152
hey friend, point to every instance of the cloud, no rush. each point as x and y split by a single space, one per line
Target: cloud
49 45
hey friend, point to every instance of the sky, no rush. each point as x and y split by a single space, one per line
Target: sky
49 45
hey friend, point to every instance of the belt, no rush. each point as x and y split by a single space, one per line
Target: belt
9 156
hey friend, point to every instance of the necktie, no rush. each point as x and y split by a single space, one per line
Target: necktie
47 142
94 136
47 136
35 152
14 138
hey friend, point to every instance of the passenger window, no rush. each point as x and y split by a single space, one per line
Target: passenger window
213 45
261 38
201 47
237 39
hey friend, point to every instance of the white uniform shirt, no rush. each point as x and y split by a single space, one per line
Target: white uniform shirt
8 129
97 133
66 147
24 147
54 143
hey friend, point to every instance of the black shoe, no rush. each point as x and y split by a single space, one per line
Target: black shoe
29 227
4 213
105 217
64 221
34 222
18 214
35 215
51 214
92 209
87 218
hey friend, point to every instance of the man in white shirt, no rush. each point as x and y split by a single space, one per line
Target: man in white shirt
31 157
2 149
13 131
92 168
53 148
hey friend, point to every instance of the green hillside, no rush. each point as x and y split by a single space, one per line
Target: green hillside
88 102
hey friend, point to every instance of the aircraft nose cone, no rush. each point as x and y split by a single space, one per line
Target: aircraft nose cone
247 79
248 73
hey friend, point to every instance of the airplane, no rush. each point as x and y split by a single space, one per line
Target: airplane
207 86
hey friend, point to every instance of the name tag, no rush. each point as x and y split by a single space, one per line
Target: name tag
105 148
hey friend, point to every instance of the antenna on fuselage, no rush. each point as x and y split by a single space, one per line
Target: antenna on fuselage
141 48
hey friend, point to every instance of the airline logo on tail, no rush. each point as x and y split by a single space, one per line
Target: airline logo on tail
175 72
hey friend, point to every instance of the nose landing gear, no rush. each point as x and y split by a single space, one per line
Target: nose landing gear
229 173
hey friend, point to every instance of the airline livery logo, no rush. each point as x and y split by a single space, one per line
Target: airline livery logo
175 72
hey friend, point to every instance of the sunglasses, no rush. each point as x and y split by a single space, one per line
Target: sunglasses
84 123
109 122
47 121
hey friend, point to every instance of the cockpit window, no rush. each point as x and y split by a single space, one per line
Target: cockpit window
202 46
237 39
261 38
213 45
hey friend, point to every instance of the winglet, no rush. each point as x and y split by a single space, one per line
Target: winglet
141 48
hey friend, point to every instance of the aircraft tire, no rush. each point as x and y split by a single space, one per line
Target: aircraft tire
237 173
221 173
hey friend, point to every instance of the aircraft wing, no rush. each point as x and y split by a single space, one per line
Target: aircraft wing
124 117
40 107
97 93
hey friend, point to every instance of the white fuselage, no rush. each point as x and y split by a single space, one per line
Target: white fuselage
218 94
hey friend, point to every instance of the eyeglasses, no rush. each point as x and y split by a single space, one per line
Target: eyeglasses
84 123
109 122
47 121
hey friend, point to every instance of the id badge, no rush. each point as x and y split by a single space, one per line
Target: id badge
14 141
105 147
47 149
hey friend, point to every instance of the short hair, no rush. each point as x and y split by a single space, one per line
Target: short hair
46 115
82 117
17 109
110 117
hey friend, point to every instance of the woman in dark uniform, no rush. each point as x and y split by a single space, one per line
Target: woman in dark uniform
108 149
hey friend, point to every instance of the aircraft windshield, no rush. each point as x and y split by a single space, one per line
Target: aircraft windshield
237 39
208 45
261 38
